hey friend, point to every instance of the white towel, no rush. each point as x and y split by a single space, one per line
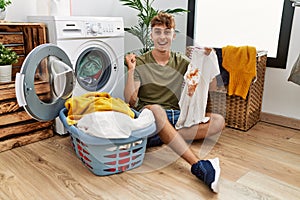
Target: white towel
112 124
201 71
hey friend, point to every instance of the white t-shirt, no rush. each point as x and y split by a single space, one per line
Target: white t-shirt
201 71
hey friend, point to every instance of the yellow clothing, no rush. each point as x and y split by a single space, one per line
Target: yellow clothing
240 62
92 102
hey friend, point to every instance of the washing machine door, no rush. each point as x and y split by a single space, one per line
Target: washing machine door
45 81
93 69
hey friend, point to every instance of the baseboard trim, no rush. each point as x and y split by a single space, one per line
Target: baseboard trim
280 120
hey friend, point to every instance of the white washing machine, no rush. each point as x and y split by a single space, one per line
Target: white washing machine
85 54
95 46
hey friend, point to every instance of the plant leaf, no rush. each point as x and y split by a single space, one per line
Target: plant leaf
176 11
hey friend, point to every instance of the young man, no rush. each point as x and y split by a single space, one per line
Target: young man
154 81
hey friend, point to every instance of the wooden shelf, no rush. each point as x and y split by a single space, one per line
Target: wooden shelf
17 128
22 38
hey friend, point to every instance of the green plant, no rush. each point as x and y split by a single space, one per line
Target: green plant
7 56
146 13
4 4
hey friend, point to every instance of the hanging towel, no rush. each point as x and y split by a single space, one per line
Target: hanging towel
114 125
201 71
295 73
240 62
94 101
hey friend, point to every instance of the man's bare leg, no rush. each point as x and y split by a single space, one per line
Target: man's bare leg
206 170
170 136
200 131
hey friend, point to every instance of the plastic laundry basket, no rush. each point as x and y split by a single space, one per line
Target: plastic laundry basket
108 156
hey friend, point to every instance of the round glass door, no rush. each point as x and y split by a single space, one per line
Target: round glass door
44 82
93 69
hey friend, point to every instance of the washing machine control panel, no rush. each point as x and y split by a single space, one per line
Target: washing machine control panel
103 28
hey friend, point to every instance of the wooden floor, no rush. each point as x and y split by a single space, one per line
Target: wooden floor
263 163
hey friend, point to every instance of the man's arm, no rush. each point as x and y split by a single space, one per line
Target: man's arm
131 86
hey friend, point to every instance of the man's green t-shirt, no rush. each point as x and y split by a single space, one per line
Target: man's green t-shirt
160 84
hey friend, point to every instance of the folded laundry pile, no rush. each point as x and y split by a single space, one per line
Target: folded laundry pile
100 115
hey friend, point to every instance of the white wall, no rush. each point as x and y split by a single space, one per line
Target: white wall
280 96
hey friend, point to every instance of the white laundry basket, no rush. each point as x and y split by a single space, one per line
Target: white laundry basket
105 156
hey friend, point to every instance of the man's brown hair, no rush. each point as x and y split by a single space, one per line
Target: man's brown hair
163 19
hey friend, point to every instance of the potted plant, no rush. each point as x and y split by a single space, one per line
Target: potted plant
146 13
3 5
7 58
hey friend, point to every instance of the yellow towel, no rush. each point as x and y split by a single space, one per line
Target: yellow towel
92 102
240 62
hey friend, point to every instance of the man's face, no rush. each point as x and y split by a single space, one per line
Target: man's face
162 37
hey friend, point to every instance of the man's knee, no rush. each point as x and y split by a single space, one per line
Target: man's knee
218 121
156 109
159 114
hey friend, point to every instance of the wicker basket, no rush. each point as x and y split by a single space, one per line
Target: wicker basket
239 113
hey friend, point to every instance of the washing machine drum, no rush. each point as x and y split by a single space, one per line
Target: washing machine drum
93 69
46 80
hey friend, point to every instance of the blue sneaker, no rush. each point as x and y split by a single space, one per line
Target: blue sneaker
209 172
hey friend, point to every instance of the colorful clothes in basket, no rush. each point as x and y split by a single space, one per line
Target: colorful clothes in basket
92 102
